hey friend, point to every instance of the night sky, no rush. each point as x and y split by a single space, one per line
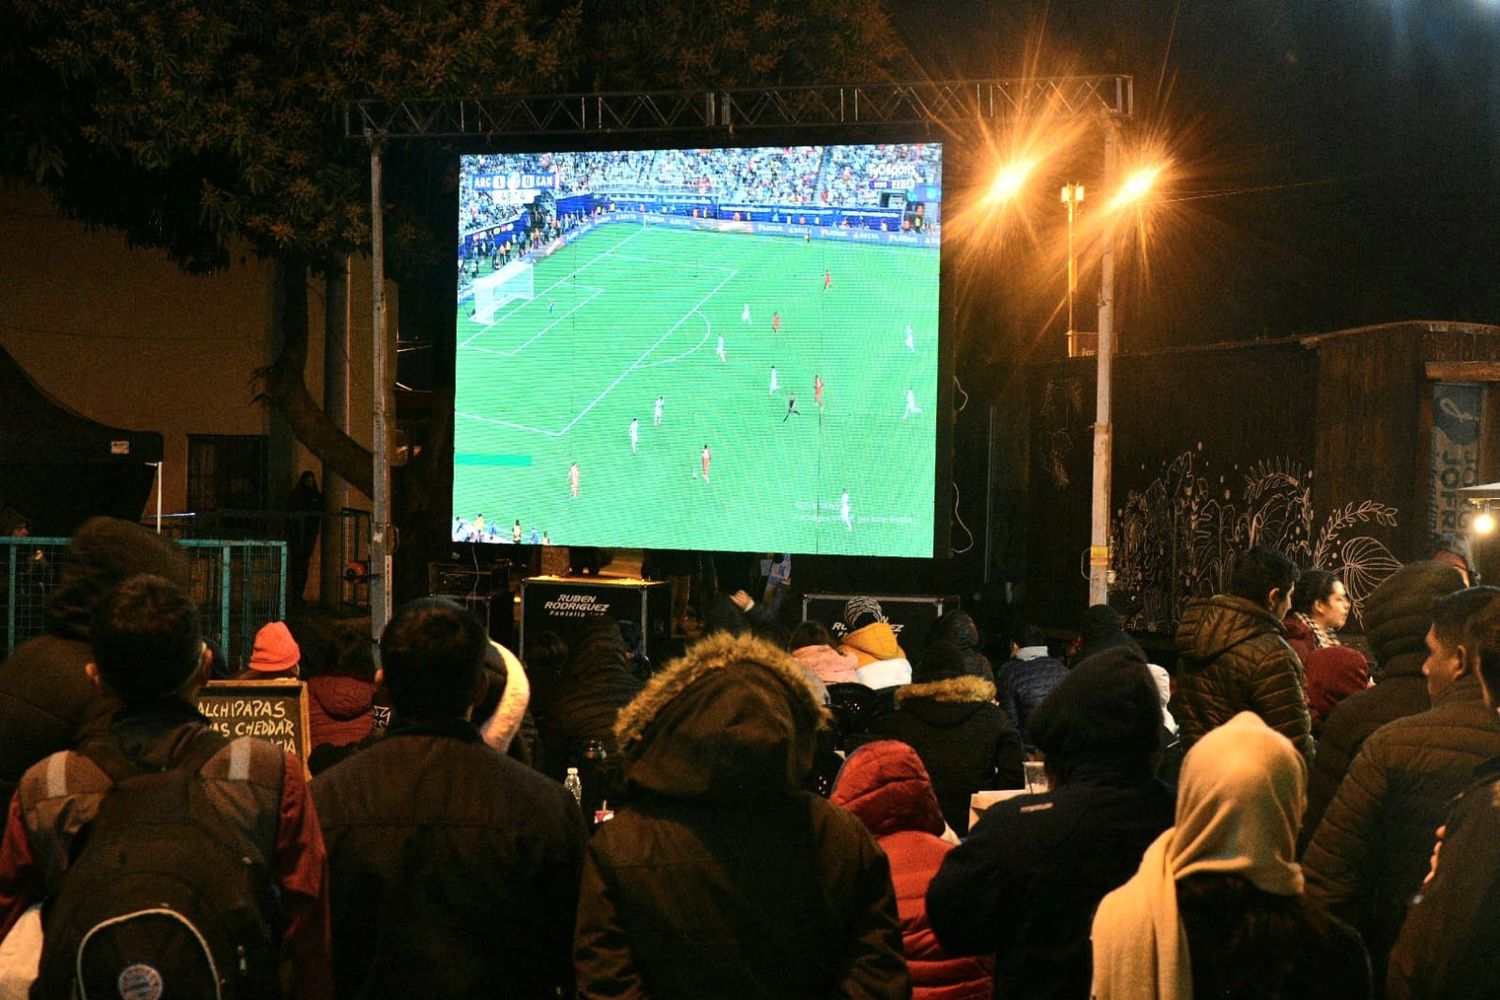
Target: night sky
1336 162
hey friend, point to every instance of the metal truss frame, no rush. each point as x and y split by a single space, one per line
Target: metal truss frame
943 103
955 104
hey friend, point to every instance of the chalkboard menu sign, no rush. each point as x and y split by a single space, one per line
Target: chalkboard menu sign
274 710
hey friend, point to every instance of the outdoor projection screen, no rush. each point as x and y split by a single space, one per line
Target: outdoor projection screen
732 349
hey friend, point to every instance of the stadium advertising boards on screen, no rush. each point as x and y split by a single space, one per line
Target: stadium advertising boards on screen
700 349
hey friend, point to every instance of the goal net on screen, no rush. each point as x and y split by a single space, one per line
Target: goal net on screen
493 290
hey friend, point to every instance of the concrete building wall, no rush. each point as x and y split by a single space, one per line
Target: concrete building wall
123 336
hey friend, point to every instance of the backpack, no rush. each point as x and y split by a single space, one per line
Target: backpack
166 894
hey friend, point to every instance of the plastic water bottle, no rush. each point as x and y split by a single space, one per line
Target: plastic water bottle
573 783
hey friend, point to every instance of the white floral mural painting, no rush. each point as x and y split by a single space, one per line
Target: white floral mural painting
1177 538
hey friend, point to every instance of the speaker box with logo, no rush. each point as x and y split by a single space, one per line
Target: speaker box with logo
910 616
562 604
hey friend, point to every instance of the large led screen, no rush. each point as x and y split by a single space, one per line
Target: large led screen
732 349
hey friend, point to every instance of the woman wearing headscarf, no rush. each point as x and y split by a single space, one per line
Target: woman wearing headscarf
1216 908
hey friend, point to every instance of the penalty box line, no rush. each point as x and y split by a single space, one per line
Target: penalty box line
622 376
540 333
560 281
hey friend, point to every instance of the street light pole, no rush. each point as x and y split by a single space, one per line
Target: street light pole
1072 196
1103 428
383 407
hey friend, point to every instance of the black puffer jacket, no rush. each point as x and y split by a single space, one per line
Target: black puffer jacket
722 877
1233 659
966 741
1372 850
1397 616
47 702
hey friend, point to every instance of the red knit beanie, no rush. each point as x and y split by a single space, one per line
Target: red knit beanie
275 650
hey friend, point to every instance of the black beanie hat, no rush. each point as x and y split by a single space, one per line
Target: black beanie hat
941 660
1107 708
1102 628
1098 622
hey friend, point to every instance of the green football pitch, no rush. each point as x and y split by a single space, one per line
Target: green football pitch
629 314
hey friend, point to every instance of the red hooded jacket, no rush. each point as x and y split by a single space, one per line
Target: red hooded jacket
339 710
886 786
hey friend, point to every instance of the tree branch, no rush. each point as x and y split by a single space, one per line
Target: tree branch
283 385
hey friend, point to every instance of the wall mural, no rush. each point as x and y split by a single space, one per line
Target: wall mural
1177 538
1062 420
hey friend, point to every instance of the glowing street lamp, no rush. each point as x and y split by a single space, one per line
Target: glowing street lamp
1010 180
1136 187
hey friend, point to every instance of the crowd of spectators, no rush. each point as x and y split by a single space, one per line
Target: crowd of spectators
779 811
836 176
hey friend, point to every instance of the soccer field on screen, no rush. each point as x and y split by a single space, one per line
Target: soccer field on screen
628 314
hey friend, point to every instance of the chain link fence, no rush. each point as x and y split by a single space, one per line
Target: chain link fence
238 585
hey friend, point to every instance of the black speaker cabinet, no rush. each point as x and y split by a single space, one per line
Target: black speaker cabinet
561 605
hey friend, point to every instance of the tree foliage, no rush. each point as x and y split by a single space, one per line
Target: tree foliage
687 45
191 125
202 126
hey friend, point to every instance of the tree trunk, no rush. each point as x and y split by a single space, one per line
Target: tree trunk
283 384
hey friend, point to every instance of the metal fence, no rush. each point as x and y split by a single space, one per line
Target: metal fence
349 529
238 585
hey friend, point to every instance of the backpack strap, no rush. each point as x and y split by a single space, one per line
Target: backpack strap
243 781
59 797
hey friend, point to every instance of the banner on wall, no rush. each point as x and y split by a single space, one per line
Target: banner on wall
1456 419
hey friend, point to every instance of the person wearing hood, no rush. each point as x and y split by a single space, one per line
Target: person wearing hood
882 661
47 702
276 655
886 786
341 696
950 718
958 627
1102 628
1216 907
722 877
1025 883
1233 657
